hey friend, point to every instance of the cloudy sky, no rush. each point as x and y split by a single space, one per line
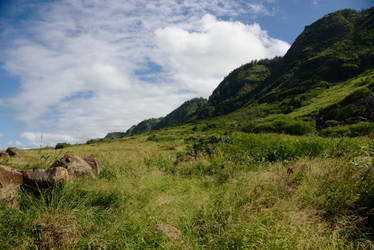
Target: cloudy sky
71 70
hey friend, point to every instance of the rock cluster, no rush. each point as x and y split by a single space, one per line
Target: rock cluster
10 152
68 166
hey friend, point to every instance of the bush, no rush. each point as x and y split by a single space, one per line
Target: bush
249 150
358 129
336 112
61 145
331 123
91 141
281 125
207 144
356 95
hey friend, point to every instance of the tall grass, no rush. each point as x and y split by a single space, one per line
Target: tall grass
263 191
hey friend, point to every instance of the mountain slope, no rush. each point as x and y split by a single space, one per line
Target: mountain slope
333 49
182 114
327 74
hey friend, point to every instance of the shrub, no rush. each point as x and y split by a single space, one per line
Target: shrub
152 138
207 144
61 145
91 141
281 125
358 129
331 123
356 95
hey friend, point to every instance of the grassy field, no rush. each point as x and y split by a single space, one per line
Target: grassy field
220 189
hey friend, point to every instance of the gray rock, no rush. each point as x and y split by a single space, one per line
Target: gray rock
3 155
79 167
10 182
13 152
43 178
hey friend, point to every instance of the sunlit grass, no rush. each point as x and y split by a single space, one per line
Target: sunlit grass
255 191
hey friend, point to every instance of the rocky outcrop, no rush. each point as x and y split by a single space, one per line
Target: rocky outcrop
68 166
94 163
3 155
13 152
10 182
79 167
43 178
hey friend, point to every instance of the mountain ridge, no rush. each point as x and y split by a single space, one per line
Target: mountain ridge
331 51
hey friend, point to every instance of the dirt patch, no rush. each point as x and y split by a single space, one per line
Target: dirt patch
56 232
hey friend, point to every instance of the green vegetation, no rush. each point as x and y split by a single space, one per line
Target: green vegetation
246 169
281 124
262 191
327 74
358 129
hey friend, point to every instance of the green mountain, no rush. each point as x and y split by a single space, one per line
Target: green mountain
113 135
332 50
326 79
143 126
182 114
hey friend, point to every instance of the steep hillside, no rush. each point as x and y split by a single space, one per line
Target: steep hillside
143 126
332 50
113 135
182 114
325 79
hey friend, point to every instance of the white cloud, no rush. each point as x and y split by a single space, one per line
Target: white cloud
199 60
79 61
35 139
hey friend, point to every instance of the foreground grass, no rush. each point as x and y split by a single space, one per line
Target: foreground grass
263 191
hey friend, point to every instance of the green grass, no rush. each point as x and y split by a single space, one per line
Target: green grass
256 191
332 95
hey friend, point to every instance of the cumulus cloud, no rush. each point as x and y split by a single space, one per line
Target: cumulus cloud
199 60
37 139
90 67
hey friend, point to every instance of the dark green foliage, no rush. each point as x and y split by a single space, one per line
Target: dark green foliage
61 145
357 95
208 144
144 126
182 114
113 135
92 141
226 97
252 148
341 113
359 129
281 125
331 123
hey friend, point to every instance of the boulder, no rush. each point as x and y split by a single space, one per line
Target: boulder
3 155
79 167
94 163
12 152
43 178
10 182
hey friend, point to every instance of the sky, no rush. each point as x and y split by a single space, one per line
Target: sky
72 70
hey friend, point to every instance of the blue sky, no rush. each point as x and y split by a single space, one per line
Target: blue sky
71 70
